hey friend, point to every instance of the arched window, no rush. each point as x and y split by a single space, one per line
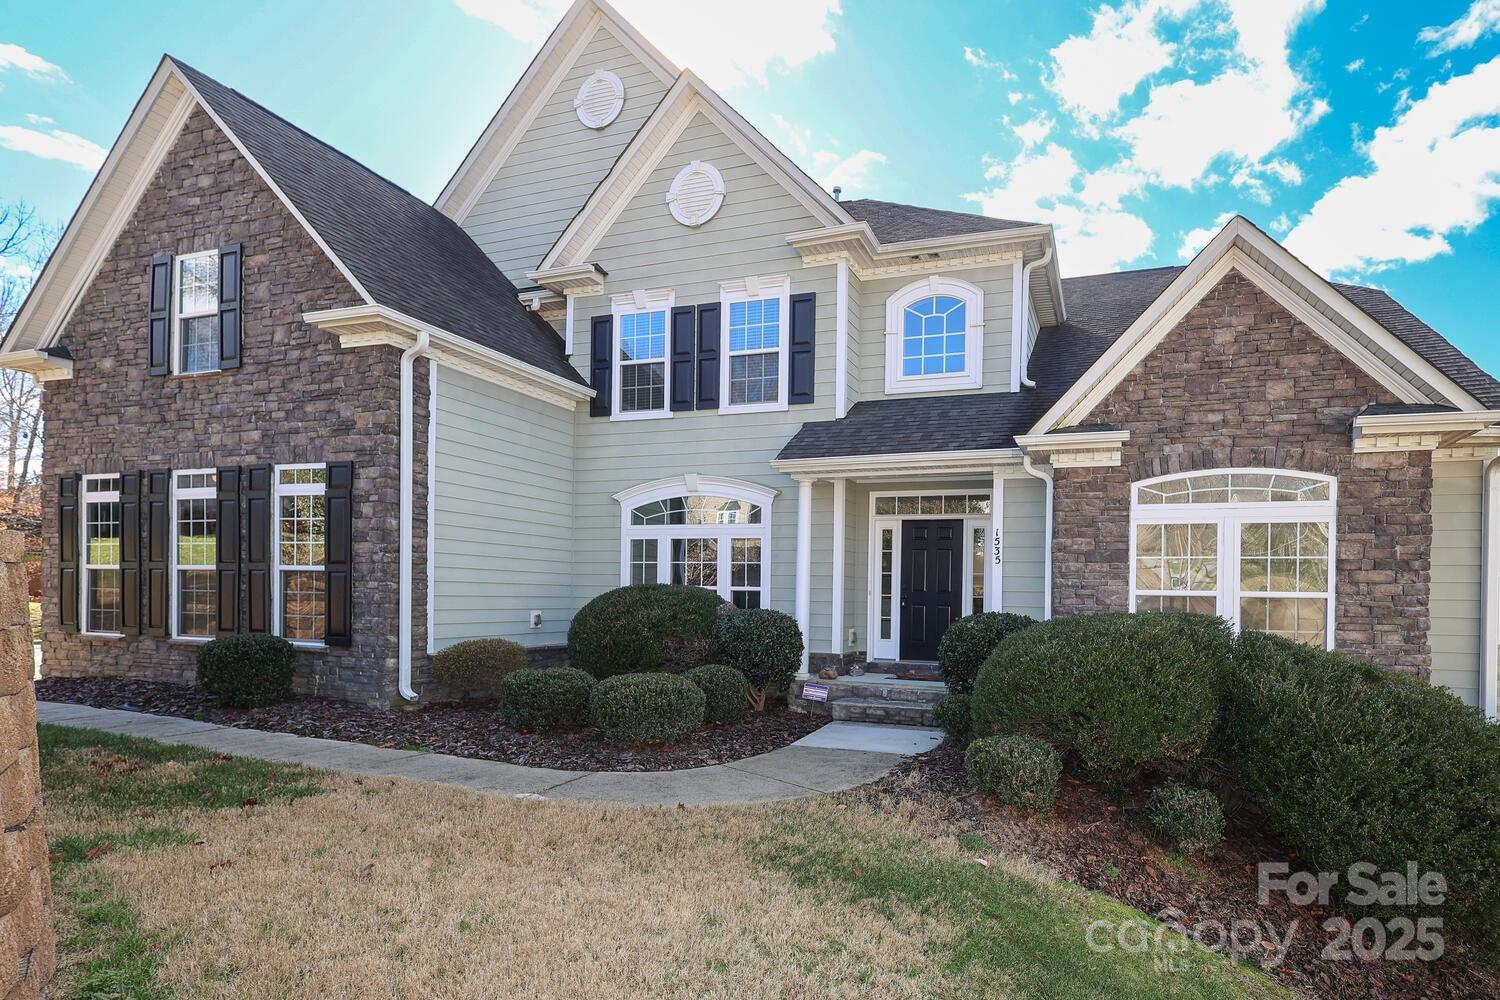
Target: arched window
699 531
1254 546
934 336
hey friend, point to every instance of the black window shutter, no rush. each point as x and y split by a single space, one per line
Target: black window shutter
258 500
682 358
159 317
800 352
229 306
602 332
67 552
708 356
339 555
228 561
130 552
156 569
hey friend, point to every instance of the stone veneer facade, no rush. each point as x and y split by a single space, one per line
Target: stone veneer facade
1239 382
297 397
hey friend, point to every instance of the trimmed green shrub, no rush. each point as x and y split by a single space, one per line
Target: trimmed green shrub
1350 763
1117 691
970 641
478 664
647 708
726 698
952 715
642 629
248 670
547 699
1190 819
1017 770
764 645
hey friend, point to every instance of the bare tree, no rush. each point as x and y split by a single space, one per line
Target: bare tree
24 245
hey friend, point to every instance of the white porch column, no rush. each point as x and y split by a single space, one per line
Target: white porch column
994 581
804 567
836 605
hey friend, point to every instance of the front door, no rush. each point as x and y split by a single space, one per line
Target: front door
932 563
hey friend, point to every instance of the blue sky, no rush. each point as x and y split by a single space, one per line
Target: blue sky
1366 136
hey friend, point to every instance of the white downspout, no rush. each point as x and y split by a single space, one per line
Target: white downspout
1489 589
1045 477
1025 311
404 547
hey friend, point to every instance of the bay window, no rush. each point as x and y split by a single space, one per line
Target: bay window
299 589
103 607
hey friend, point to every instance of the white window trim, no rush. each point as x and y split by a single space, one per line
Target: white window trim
972 377
694 485
779 287
630 304
715 179
87 497
1228 517
614 109
890 649
174 587
279 490
178 315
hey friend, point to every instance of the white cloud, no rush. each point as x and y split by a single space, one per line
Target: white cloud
1091 73
796 139
719 42
15 267
54 144
1251 177
1281 224
1015 97
1034 131
848 172
15 57
1355 66
38 119
980 60
1434 172
1482 17
1196 239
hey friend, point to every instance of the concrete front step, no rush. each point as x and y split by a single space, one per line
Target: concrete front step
900 713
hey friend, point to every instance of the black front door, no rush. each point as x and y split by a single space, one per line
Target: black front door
932 564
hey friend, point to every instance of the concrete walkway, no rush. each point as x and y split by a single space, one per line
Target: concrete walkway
840 755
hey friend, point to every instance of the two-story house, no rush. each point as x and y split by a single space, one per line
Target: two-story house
632 343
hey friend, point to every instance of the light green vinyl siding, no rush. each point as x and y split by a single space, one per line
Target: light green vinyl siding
559 161
1456 557
868 329
502 513
857 349
1025 546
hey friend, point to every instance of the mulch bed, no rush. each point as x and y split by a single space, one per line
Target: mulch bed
1092 840
466 729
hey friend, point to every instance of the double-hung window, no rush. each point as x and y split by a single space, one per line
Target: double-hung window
717 537
195 329
934 336
754 374
640 324
301 530
195 553
103 608
1254 546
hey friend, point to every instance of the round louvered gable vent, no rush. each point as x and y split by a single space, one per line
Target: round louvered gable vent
599 99
696 193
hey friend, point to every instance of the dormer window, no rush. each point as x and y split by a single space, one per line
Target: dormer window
934 336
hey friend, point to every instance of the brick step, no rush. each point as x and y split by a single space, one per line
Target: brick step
895 713
844 690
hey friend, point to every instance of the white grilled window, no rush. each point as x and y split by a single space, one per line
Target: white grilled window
300 595
696 193
599 99
103 608
195 552
196 325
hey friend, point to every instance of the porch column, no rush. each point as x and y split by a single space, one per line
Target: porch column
836 604
804 567
994 578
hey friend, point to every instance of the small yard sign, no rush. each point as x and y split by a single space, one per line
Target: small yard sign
815 692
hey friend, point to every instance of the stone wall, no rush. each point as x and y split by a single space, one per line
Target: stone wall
1240 383
27 948
298 397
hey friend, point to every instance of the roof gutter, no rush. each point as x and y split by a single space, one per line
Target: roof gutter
1026 304
404 554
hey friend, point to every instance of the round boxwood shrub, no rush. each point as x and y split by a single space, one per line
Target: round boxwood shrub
1190 819
247 671
478 664
1350 763
1017 770
647 708
970 641
544 700
643 628
764 645
726 700
951 714
1119 692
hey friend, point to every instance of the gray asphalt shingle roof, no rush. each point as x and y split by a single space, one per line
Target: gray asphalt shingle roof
893 222
409 256
1101 307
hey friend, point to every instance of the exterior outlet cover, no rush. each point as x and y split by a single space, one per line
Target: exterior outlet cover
536 619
